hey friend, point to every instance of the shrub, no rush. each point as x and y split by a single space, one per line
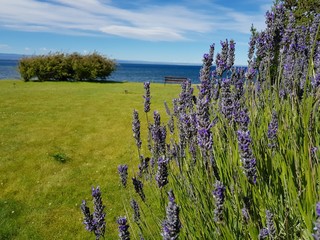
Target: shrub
66 67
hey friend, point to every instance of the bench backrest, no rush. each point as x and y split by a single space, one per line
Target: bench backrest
169 79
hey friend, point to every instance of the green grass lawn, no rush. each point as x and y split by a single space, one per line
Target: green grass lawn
59 139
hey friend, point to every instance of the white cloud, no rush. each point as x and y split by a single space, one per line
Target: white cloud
4 46
149 22
153 34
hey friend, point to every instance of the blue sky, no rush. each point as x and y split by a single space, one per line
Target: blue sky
149 30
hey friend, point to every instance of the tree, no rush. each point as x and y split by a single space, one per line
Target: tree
303 10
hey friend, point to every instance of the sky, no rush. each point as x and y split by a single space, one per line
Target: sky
176 31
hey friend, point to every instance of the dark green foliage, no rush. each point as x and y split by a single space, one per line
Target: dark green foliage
303 9
66 67
60 157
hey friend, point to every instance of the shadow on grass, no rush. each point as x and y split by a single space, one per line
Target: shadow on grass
88 81
10 222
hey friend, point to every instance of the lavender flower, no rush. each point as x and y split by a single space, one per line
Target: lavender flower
280 17
98 214
251 72
262 47
205 140
138 187
123 228
136 128
188 132
159 134
95 222
136 210
231 54
270 16
147 97
243 119
288 72
252 44
288 34
219 195
222 58
186 96
162 173
272 130
88 218
224 50
316 229
123 173
226 105
171 124
245 215
247 158
314 28
205 71
220 65
171 225
263 234
143 165
315 82
171 119
175 103
270 225
204 134
263 71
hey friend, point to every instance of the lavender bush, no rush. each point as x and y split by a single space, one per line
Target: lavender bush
241 151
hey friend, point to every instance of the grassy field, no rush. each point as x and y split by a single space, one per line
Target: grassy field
57 140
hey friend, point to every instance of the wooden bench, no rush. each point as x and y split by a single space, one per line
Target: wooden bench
170 79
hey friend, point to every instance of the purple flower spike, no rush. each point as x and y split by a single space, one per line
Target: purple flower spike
315 82
252 44
162 173
171 225
95 222
231 54
270 225
251 72
263 234
219 195
272 130
159 134
123 228
136 128
88 218
147 97
227 101
247 158
136 210
123 173
138 187
98 214
245 215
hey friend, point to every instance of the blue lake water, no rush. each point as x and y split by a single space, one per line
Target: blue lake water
8 69
131 72
154 72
